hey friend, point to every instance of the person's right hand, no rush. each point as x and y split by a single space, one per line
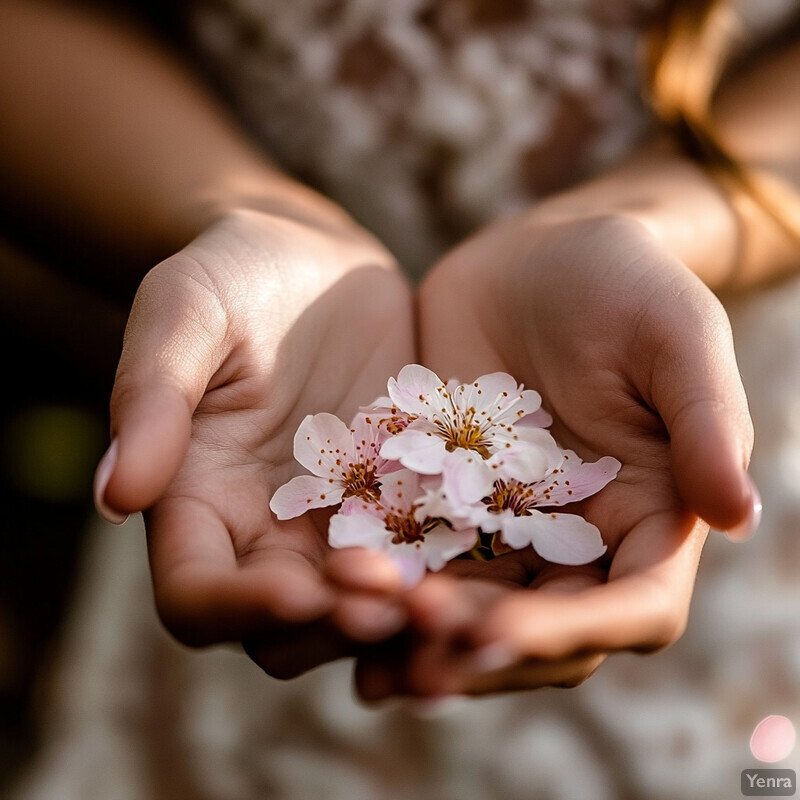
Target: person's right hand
634 358
261 320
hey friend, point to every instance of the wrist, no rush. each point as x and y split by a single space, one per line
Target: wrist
265 191
674 199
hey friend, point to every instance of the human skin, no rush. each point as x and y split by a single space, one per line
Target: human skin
601 298
634 358
248 323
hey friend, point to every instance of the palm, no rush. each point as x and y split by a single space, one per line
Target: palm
585 325
287 320
579 355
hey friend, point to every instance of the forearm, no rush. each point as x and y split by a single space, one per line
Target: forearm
72 320
725 238
105 134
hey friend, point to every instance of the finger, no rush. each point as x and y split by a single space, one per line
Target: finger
438 666
533 674
441 609
442 605
698 392
288 652
643 606
365 569
174 343
205 594
379 677
378 674
445 666
369 618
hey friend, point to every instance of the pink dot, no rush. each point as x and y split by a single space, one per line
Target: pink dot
773 739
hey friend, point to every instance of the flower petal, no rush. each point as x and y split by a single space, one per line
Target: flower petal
577 480
434 503
366 438
529 458
487 395
442 544
497 383
387 416
511 409
493 521
414 391
381 403
303 493
466 477
538 419
516 532
399 491
358 529
416 449
542 439
565 538
319 441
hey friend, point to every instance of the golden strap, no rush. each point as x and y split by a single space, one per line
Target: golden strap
686 58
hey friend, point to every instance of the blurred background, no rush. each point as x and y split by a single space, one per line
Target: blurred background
53 429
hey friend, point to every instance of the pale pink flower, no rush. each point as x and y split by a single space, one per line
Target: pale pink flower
345 462
402 525
511 510
468 433
387 416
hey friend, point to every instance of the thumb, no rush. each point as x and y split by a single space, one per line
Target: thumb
697 389
174 343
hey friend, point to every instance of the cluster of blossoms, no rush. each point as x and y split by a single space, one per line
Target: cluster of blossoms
430 471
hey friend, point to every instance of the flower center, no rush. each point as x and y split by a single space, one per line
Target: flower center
465 433
395 425
408 530
397 422
361 481
516 496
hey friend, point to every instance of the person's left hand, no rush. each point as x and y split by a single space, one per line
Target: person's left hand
265 317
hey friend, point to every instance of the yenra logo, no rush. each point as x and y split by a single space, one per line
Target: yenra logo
768 782
773 740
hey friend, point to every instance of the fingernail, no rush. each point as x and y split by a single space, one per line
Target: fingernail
101 478
492 657
745 529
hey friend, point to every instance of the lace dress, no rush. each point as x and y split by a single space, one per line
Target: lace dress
425 120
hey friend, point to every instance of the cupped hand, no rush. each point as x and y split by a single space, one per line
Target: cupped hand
634 359
264 318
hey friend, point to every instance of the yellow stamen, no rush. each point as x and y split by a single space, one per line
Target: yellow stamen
360 481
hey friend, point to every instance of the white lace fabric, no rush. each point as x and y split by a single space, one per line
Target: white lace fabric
424 118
